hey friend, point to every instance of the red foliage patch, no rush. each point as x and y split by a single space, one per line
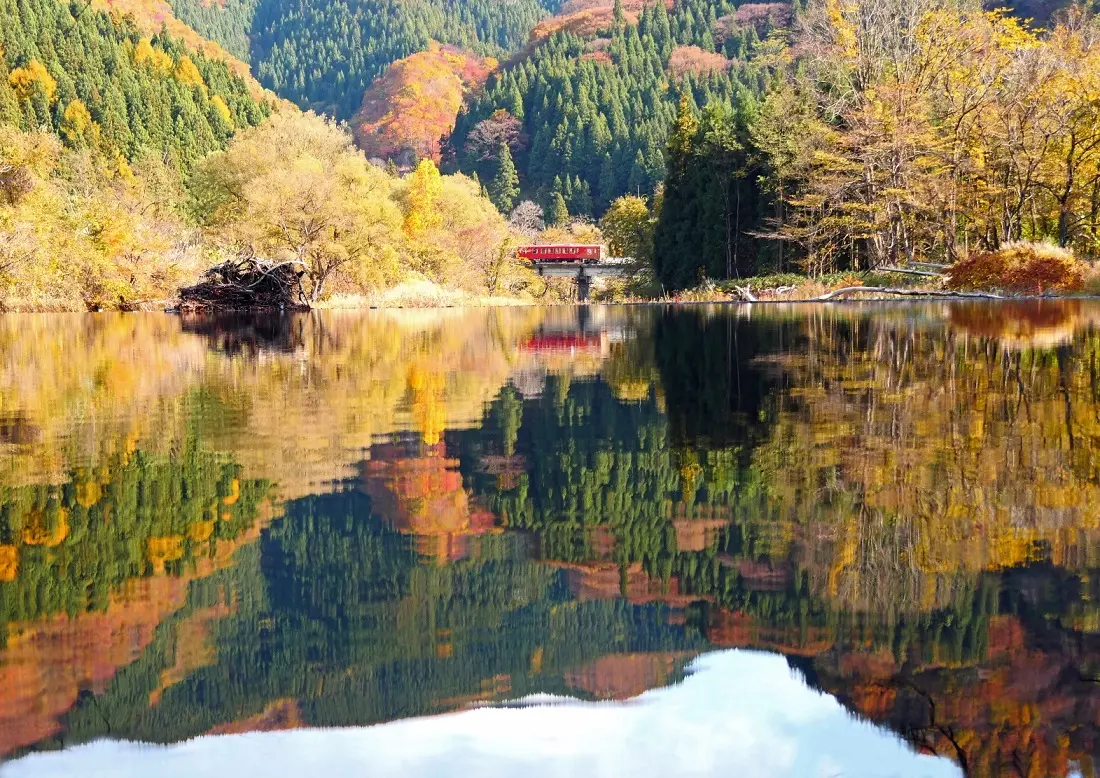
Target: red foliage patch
598 56
759 15
586 23
414 104
692 59
1018 268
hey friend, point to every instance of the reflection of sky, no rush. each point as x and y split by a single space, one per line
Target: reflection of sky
740 714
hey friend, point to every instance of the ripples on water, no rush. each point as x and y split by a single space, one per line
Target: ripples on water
217 526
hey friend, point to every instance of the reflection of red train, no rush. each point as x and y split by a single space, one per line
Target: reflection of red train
562 252
564 342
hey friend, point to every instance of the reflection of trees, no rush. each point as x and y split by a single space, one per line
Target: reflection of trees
418 490
908 509
880 478
895 448
292 397
98 563
339 621
1019 708
601 480
133 516
710 373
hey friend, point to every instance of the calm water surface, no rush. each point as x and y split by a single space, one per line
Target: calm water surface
778 541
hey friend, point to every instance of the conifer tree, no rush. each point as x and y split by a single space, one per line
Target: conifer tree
557 214
504 188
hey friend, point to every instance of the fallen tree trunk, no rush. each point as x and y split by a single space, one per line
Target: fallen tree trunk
247 283
904 292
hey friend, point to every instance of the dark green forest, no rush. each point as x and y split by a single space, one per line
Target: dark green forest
229 22
97 81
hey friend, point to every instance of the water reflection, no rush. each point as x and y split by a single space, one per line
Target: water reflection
216 526
737 713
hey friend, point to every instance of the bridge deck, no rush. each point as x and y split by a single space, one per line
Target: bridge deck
575 269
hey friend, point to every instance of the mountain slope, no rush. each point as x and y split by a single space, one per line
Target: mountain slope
99 82
323 55
154 16
597 105
227 22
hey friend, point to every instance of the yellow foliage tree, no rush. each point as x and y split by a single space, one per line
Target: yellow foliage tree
77 126
295 189
159 61
187 73
9 563
40 530
24 80
422 199
222 109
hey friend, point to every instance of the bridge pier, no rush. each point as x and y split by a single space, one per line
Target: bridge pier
584 286
583 274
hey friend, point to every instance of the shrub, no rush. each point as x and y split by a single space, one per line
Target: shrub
1019 268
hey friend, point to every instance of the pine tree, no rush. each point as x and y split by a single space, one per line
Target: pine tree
675 237
504 188
557 214
608 188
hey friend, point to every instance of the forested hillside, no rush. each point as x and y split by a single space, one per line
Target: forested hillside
98 82
130 163
323 55
229 22
590 117
879 142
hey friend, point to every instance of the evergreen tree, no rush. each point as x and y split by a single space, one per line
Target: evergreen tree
504 188
557 214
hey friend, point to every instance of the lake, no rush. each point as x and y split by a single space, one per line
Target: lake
771 540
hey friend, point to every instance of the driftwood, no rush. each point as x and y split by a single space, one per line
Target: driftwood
905 293
910 271
746 295
246 283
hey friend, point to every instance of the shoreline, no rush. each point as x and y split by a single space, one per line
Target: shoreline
516 303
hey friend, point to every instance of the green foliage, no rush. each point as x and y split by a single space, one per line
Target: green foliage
712 198
604 124
504 188
129 106
229 22
557 214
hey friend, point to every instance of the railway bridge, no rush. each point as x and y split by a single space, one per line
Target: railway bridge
583 273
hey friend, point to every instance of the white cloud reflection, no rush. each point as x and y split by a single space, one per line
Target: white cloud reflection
740 714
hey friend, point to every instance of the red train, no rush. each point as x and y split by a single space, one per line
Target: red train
581 253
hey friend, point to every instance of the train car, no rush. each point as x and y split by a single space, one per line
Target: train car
581 253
